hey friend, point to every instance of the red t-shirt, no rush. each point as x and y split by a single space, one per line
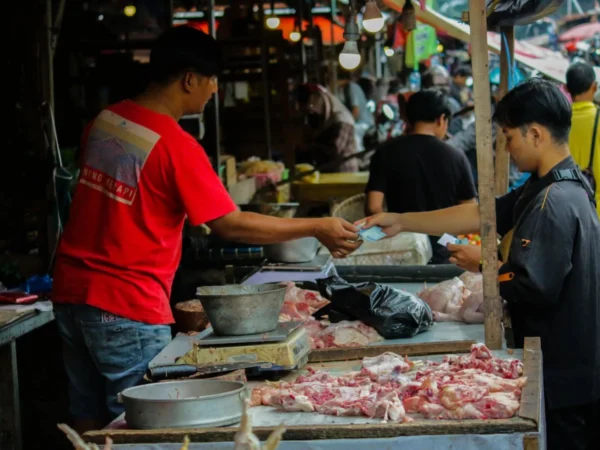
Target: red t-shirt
141 175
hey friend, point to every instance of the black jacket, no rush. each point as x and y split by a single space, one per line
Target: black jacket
551 280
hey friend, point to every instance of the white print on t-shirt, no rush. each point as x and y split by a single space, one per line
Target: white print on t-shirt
115 154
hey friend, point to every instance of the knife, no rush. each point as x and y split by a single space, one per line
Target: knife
175 371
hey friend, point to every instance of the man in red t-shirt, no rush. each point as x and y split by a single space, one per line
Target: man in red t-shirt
141 177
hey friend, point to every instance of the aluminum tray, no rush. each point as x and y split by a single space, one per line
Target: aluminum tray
189 403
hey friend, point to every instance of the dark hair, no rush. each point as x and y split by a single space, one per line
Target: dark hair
580 77
184 49
427 106
536 101
303 93
463 71
367 86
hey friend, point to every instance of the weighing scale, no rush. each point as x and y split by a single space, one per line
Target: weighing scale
320 267
283 349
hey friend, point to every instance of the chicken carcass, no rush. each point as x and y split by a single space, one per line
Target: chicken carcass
472 281
456 300
471 311
245 439
445 297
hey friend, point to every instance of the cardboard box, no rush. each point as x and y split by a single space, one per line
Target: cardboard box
229 164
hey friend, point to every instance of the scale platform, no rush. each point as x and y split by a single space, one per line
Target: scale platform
209 338
321 267
289 353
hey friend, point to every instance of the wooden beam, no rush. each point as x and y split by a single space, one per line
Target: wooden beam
507 53
485 166
425 348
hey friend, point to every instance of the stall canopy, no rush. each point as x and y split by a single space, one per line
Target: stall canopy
550 63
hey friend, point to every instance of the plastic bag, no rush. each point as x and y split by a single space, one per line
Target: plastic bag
505 13
393 313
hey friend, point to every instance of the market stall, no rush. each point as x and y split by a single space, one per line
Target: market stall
14 323
310 430
550 63
305 430
330 186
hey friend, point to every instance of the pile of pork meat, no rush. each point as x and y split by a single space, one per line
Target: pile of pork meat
394 388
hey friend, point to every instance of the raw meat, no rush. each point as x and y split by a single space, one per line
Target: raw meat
471 311
445 297
386 368
456 300
472 281
342 334
474 386
300 304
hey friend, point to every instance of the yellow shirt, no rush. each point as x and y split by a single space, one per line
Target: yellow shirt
580 139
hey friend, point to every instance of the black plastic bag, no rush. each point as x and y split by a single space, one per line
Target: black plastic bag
506 13
392 312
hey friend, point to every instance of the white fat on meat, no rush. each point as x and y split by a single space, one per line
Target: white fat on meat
386 367
341 335
456 395
292 402
498 405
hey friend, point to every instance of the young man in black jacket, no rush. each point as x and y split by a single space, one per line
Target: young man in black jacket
550 274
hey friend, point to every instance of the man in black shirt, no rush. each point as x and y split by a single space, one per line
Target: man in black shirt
419 172
550 276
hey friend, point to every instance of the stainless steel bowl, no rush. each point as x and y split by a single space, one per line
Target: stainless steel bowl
296 251
190 403
235 310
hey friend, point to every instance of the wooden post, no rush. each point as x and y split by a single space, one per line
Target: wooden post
485 165
502 157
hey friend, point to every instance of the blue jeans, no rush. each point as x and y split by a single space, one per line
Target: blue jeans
103 355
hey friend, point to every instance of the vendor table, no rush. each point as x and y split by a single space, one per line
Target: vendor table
330 186
313 431
14 324
526 431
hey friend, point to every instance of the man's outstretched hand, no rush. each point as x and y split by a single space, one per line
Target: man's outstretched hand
389 223
338 235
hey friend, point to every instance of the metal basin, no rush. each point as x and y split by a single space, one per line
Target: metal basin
235 310
190 403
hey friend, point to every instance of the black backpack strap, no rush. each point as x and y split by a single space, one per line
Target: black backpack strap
577 176
591 165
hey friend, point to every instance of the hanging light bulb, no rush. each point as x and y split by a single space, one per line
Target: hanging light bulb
296 35
350 56
389 51
409 20
272 21
373 20
129 10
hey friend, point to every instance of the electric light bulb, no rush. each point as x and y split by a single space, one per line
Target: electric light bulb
272 22
295 36
350 56
389 52
129 10
373 20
